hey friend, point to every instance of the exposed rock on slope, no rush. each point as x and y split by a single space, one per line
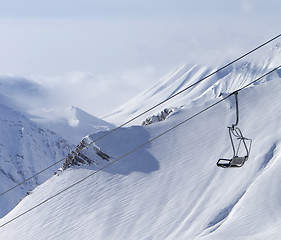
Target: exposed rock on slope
85 153
159 117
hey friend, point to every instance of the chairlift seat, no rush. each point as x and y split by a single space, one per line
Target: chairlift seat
235 162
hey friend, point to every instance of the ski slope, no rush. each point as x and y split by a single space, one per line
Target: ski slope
172 188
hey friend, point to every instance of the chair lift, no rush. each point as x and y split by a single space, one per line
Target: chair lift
235 132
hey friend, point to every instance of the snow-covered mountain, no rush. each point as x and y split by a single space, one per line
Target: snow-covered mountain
227 80
71 123
171 188
31 99
25 149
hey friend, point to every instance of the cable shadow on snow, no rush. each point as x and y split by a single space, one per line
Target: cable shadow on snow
121 142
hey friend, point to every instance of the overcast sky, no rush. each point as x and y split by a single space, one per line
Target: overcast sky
111 50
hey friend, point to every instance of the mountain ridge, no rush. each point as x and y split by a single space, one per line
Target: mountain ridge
184 76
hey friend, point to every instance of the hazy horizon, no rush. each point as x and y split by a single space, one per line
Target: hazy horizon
110 51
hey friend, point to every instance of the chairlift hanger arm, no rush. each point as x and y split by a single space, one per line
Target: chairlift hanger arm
237 109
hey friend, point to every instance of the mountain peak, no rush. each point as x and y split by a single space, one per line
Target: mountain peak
72 123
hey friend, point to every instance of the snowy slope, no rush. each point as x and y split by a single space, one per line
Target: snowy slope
25 149
226 80
172 188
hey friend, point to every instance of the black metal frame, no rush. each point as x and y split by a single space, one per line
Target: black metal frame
234 131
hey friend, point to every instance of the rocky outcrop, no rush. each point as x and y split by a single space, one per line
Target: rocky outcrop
159 117
81 155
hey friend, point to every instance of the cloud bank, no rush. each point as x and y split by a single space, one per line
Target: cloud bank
98 54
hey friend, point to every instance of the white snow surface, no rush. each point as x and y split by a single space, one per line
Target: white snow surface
172 188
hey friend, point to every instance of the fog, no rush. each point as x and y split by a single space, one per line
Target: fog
97 55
